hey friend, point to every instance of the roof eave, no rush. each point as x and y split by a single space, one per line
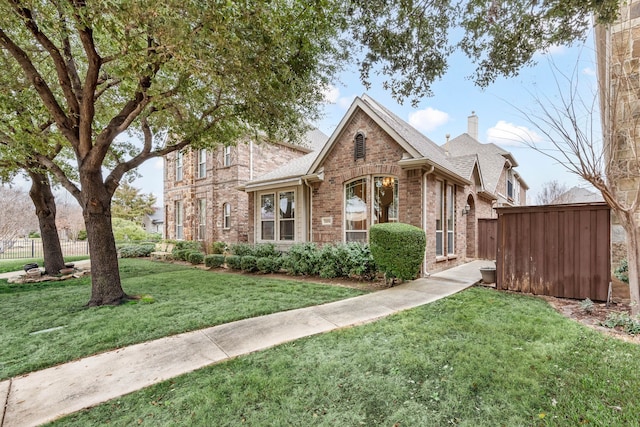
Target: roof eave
265 185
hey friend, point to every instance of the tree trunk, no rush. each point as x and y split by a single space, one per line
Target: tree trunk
106 288
633 261
45 205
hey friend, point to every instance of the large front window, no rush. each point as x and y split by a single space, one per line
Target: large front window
359 211
445 218
277 216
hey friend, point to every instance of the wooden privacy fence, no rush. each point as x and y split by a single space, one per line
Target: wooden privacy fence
561 251
487 238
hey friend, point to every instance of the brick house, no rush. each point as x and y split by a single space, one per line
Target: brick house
377 168
200 187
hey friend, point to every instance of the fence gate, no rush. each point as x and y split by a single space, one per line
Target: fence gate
487 238
555 250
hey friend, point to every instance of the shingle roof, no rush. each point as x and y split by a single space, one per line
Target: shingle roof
426 147
577 195
491 157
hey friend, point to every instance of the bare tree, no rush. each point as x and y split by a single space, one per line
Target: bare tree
15 220
551 190
606 157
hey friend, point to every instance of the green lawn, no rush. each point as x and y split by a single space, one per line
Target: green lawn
478 358
185 298
9 265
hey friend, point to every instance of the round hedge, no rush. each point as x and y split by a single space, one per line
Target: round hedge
398 249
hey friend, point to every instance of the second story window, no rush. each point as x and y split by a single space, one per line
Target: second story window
202 163
227 156
510 186
179 166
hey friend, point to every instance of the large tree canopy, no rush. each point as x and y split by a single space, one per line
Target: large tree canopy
210 71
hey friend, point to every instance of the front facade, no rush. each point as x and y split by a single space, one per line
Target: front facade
376 168
202 201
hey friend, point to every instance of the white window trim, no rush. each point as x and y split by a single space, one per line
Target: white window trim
451 232
179 166
202 161
440 184
226 156
202 218
371 215
276 217
226 216
179 219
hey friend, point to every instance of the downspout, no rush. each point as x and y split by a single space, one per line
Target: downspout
250 160
310 217
425 272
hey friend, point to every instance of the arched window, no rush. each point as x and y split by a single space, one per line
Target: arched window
359 147
369 205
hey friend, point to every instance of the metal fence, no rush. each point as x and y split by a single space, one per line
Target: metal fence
32 248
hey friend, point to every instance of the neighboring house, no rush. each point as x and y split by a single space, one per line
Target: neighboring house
577 195
154 223
376 168
201 198
500 180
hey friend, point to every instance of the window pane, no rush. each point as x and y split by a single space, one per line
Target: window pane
266 206
385 199
450 243
439 206
439 244
267 230
287 231
356 236
287 205
356 205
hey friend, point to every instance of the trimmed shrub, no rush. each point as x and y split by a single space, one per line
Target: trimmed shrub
182 254
302 259
214 261
234 262
196 258
346 260
398 249
269 264
82 235
218 247
188 244
241 249
248 263
136 250
262 250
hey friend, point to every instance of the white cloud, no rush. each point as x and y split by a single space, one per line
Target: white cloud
158 163
331 94
428 119
589 71
504 133
346 101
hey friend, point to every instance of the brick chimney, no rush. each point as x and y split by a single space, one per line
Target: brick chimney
472 125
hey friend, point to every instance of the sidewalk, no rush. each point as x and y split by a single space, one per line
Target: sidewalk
43 396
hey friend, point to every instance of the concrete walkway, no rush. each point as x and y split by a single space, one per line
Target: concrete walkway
39 397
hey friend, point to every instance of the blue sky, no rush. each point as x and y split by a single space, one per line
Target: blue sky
455 97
